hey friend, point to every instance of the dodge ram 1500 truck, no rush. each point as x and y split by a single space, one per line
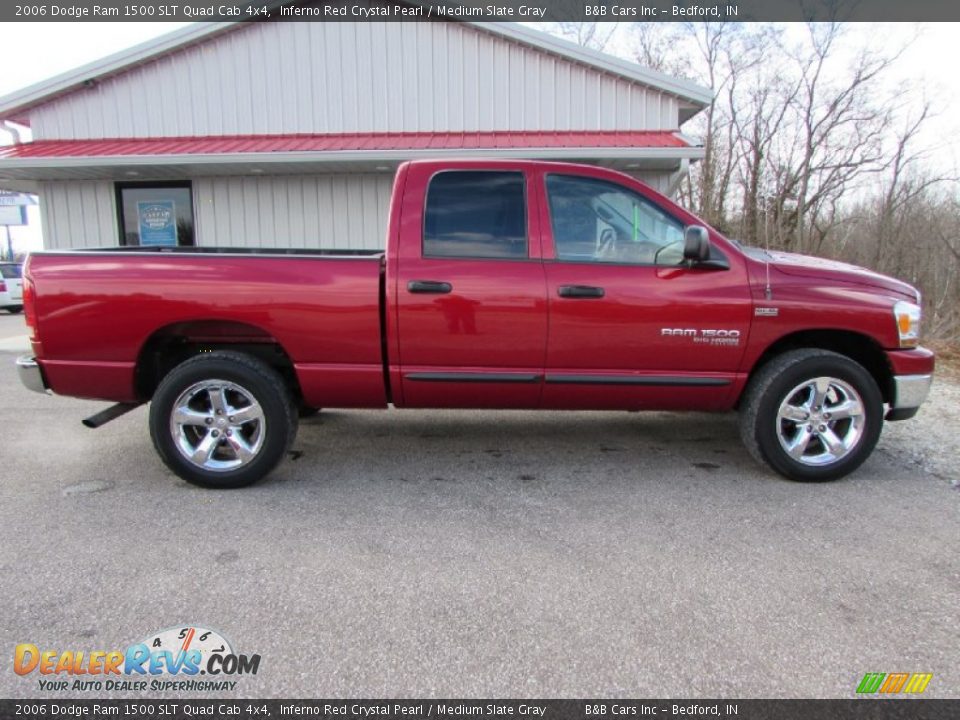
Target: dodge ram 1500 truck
512 284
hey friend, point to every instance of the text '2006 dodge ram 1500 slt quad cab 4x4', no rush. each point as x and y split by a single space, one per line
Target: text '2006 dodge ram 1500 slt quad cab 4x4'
512 284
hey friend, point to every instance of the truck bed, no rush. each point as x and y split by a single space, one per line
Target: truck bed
98 310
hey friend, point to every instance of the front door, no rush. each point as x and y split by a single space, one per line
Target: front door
632 326
471 298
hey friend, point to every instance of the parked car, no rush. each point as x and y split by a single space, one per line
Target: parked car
504 284
11 287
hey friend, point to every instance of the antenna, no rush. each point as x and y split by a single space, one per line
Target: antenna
767 290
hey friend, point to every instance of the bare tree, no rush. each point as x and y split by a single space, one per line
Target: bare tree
841 125
654 46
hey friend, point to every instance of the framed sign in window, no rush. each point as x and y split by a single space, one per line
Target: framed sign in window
157 221
155 214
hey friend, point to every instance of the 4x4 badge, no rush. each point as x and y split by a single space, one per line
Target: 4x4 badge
766 311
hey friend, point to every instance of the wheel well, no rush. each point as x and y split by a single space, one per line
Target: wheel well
856 346
171 345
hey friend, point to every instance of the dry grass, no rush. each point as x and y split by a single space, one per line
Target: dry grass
948 357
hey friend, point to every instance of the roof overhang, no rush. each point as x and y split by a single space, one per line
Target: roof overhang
159 159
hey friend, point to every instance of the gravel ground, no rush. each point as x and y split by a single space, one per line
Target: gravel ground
931 440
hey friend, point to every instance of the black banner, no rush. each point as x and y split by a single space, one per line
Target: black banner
504 10
854 709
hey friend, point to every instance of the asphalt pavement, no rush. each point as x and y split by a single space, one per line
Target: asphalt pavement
486 554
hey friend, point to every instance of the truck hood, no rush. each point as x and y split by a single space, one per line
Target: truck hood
821 268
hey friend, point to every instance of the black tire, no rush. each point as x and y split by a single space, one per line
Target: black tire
761 429
240 372
306 411
14 309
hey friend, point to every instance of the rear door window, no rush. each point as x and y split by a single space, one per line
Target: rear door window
476 214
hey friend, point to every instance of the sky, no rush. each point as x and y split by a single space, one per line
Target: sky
32 52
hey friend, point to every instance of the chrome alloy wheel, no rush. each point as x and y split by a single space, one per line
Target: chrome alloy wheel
820 421
217 425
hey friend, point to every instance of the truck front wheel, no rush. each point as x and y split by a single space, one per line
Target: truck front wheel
222 420
812 415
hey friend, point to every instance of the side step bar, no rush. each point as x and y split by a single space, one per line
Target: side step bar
111 413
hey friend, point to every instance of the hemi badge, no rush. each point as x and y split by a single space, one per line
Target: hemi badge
766 311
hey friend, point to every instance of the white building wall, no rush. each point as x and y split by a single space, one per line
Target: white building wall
328 211
659 180
77 214
314 77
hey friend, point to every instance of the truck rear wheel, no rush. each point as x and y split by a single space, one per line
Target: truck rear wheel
812 415
222 420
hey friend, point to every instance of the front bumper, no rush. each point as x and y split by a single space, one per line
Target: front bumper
909 393
31 374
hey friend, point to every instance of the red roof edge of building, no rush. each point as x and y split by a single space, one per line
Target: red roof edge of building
341 142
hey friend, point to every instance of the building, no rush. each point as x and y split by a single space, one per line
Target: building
287 134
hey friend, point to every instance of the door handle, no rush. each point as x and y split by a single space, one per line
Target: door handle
580 291
429 286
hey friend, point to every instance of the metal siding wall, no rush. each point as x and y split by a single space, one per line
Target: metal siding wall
78 214
658 180
330 211
353 77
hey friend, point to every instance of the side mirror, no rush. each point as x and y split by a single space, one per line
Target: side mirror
696 244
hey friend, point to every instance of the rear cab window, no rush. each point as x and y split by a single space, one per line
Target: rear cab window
11 272
476 214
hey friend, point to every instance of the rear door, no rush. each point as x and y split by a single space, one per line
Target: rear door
471 294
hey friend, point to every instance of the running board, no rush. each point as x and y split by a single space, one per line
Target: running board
111 413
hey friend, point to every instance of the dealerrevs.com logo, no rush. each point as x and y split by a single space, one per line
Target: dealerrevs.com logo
172 659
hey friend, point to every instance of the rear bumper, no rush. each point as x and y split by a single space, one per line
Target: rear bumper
31 374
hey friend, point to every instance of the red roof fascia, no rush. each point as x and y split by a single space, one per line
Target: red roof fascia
369 142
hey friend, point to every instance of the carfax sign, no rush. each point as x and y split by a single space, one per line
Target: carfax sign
158 222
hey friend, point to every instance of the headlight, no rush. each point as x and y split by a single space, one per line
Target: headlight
907 317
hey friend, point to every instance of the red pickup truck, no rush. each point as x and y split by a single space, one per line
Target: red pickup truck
510 284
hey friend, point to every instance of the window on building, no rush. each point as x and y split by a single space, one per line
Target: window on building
602 222
475 214
155 213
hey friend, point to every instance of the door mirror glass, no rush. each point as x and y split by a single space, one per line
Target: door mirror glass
696 244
